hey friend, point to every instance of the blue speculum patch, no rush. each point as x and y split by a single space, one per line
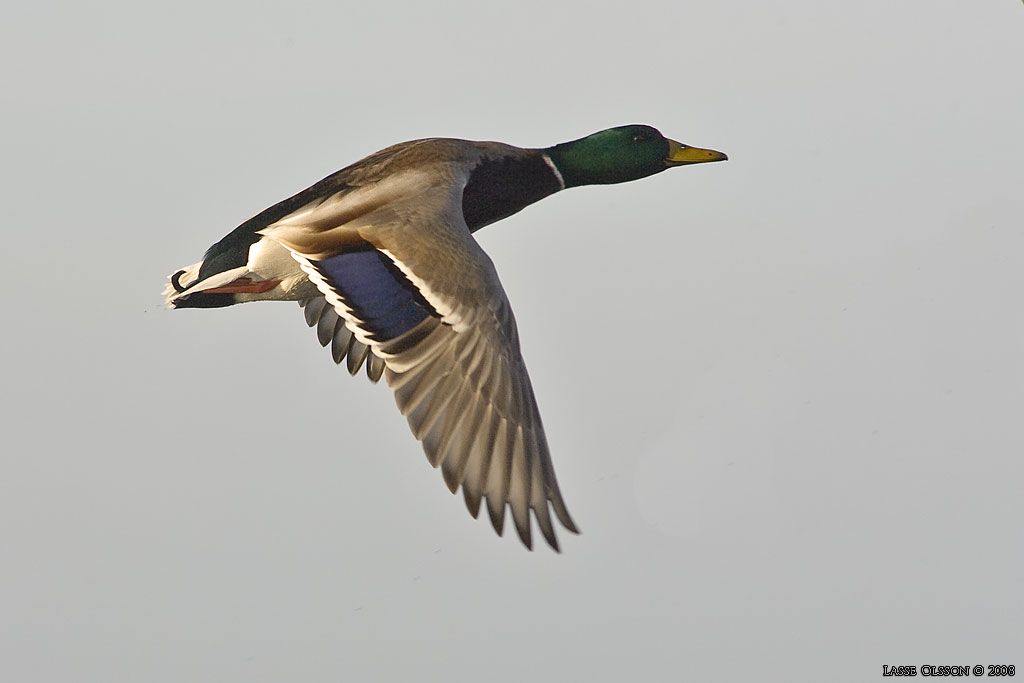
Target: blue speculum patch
377 291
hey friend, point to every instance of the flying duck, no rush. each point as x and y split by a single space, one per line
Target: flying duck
382 259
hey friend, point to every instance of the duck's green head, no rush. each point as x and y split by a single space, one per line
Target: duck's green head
620 154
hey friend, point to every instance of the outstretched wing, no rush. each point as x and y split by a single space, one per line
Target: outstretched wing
411 284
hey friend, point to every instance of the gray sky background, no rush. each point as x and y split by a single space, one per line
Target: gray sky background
784 394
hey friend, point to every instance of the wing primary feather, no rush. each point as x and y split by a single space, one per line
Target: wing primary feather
422 424
312 308
453 418
414 392
481 373
536 454
539 503
505 480
326 326
560 510
472 497
426 349
406 390
416 346
374 367
496 488
341 342
501 391
519 489
478 435
454 468
356 355
475 482
551 490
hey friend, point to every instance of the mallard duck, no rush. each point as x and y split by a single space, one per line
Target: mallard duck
381 257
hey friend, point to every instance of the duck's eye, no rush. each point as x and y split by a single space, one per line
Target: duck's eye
640 137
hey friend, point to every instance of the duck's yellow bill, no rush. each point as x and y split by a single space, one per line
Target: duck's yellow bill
680 154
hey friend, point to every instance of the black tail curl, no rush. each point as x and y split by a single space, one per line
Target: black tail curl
176 281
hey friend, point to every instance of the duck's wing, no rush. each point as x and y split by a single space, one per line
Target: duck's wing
412 285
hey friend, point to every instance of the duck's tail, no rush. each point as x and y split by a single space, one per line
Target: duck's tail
264 272
184 290
176 294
